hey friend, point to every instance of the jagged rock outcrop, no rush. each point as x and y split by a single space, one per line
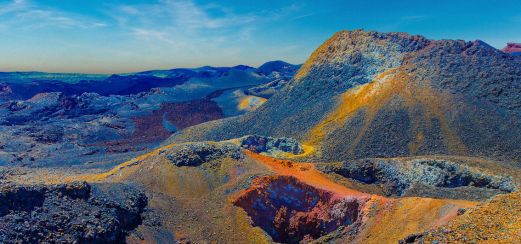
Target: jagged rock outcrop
424 177
270 145
197 153
69 213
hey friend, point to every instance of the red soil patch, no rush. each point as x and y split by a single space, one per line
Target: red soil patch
182 115
512 48
191 113
304 172
149 128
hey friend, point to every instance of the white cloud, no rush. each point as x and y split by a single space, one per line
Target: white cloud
152 35
181 14
186 33
162 34
184 21
25 14
12 6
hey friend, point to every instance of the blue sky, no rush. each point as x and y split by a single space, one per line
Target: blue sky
102 36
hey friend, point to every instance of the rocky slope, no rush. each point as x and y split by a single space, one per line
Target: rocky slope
235 191
429 177
369 94
218 191
496 221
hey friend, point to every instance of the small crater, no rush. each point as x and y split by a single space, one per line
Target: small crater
291 211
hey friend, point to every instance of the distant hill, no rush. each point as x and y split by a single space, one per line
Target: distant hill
278 66
24 77
369 94
24 85
278 71
64 119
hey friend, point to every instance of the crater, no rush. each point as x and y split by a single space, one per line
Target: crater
291 211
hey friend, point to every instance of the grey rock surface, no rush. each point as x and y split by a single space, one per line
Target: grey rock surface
69 213
197 153
268 144
424 177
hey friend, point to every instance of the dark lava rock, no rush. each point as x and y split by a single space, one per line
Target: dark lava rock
52 135
411 238
424 177
195 154
260 144
69 213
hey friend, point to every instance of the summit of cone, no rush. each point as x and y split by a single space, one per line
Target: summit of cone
370 94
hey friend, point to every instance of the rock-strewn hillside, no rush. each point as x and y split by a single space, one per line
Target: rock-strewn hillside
495 221
224 192
427 177
238 191
369 94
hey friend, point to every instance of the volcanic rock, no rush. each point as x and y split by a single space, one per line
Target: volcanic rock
424 177
260 144
70 213
195 154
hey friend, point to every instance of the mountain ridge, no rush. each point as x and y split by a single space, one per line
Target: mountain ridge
487 82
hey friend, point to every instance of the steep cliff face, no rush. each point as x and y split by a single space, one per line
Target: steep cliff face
369 94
